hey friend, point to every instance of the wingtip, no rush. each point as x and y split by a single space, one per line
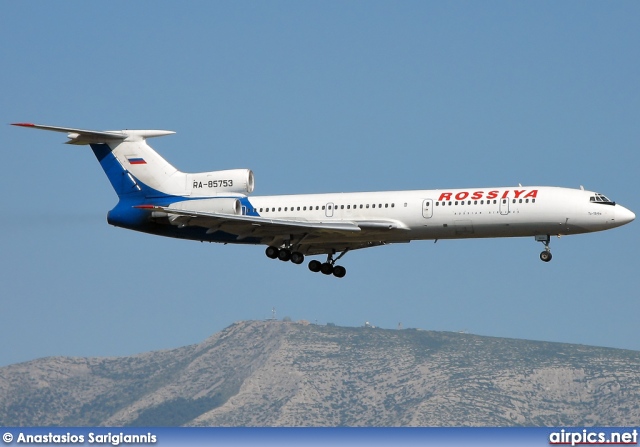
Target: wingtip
23 124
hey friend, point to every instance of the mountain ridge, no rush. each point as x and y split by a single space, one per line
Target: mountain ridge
275 373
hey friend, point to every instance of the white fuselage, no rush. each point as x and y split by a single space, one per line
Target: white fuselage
454 213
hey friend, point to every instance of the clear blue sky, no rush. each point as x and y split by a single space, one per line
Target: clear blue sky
316 97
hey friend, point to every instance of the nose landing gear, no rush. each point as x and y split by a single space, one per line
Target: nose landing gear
546 254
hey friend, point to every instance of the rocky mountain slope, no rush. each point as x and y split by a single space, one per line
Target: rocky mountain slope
272 373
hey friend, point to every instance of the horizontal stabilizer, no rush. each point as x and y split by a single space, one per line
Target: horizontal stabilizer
82 136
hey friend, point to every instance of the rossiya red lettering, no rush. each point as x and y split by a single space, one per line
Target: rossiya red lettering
477 195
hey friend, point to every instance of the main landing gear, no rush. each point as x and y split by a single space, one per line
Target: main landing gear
546 254
284 254
327 268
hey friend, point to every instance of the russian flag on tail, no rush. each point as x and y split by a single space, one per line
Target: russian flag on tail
137 161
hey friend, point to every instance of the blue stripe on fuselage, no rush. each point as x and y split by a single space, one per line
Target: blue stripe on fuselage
244 201
125 215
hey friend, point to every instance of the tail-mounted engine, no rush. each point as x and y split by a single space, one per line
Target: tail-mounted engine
215 182
223 205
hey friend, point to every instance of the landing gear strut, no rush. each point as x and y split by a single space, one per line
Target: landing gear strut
546 254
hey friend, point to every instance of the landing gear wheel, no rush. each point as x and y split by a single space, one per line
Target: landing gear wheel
339 271
272 252
545 256
315 266
297 257
284 254
326 268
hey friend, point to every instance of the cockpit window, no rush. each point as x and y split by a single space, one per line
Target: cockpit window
600 198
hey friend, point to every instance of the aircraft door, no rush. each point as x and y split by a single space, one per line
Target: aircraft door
328 210
427 208
504 206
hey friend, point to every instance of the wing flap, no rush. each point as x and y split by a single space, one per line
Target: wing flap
381 225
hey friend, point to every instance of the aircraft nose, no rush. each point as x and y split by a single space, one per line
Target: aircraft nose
623 215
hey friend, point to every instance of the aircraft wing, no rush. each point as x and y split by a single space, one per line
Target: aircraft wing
314 233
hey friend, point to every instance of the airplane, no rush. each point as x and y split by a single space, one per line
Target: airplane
156 198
